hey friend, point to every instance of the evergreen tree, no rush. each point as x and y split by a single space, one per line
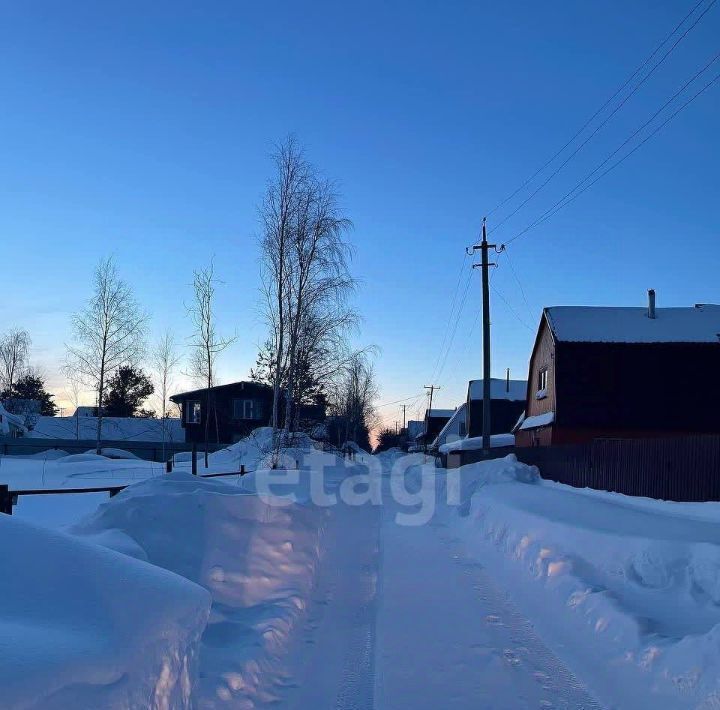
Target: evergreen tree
387 439
128 388
31 386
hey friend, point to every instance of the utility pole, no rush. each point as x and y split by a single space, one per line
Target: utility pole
404 406
432 389
484 247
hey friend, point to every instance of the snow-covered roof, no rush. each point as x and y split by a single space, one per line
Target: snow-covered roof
537 421
476 442
439 412
499 389
9 422
453 425
610 324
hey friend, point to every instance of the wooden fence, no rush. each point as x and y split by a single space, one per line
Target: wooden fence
9 497
680 469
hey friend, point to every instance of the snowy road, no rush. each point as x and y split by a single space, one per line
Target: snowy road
448 638
334 655
400 619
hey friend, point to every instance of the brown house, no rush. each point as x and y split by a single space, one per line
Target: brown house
599 372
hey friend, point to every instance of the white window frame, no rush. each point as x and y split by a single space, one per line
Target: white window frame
542 383
192 407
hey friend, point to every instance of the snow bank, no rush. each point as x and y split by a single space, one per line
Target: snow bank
257 560
111 453
84 627
627 589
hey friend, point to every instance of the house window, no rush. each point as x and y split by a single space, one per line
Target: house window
192 412
247 409
542 383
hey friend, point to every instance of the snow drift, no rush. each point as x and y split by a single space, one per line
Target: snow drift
628 589
257 560
85 627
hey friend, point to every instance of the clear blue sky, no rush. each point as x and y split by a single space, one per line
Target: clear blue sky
144 130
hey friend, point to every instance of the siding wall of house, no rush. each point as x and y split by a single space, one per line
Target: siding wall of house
544 356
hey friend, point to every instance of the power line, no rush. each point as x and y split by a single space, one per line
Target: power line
449 320
563 202
512 310
602 108
397 401
519 283
455 326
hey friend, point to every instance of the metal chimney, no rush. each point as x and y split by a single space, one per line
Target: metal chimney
651 303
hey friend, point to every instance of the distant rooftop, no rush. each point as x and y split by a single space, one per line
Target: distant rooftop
439 412
610 324
499 389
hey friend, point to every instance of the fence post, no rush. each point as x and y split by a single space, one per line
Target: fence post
168 465
5 500
194 459
242 469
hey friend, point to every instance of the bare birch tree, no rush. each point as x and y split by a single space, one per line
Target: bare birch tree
206 342
306 282
108 333
165 361
14 354
278 215
319 281
353 395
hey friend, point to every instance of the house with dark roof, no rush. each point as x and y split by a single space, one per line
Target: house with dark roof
619 372
233 411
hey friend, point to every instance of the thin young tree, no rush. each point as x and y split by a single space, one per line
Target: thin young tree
73 393
107 334
14 354
206 342
165 361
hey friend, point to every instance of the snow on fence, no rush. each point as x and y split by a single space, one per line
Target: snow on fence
678 468
9 498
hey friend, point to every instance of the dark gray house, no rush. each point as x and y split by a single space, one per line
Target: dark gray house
234 411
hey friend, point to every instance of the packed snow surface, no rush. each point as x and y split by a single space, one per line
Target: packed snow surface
611 324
